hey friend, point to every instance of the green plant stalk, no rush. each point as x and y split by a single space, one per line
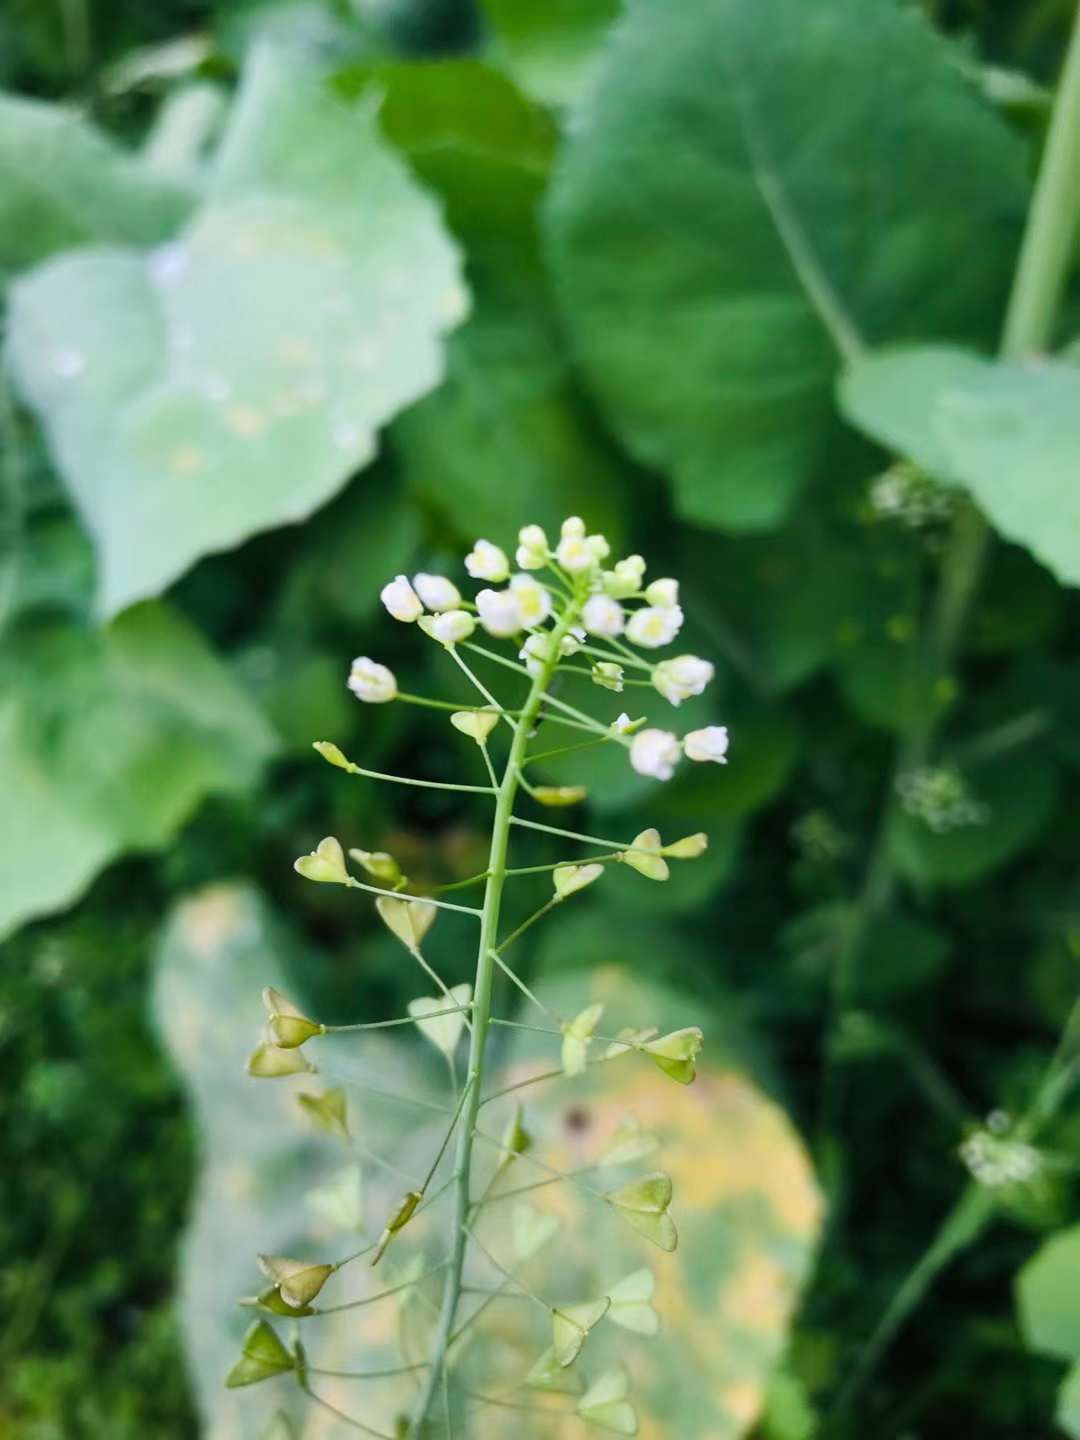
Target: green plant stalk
1045 256
482 988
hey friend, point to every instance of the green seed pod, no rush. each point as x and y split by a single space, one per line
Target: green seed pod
328 1111
289 1026
605 1405
262 1357
576 1036
676 1053
548 1374
644 1205
271 1062
325 864
570 1326
298 1281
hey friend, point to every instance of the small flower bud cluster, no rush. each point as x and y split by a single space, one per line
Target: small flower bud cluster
939 797
610 607
995 1160
908 494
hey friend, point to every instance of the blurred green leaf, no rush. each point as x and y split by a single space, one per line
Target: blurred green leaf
108 741
1048 1297
550 49
233 380
1010 433
63 184
747 194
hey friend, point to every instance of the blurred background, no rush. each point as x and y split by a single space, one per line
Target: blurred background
300 294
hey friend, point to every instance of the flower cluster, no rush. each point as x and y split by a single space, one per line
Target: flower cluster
908 494
995 1160
940 797
605 614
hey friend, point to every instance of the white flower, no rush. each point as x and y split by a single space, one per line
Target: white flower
487 562
437 592
371 682
598 547
572 641
532 551
708 744
654 625
655 753
602 615
682 677
500 613
622 724
533 600
401 599
664 593
449 627
535 652
625 579
573 528
573 553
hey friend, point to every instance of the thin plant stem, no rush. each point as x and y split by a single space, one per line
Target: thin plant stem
511 1278
566 749
436 979
346 1419
559 1074
368 1374
545 909
482 992
382 1294
354 769
515 979
488 696
575 835
401 1020
355 884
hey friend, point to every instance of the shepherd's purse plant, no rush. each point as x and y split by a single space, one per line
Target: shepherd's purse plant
564 611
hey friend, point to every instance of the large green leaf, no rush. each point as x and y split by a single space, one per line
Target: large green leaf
746 1201
748 190
1048 1303
108 740
62 184
1010 433
504 440
551 49
233 380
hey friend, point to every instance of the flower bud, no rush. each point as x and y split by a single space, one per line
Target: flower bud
449 628
708 744
371 682
487 562
625 580
536 652
679 679
654 625
533 600
603 616
532 551
401 600
664 593
500 613
608 675
437 592
331 754
655 753
325 864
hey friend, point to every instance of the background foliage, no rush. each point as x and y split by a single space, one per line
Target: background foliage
416 272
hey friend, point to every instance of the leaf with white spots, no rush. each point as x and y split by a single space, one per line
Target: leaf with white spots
234 378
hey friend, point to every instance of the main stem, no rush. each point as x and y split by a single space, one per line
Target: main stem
481 1016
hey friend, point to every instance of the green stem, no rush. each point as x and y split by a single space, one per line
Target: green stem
482 989
1051 229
